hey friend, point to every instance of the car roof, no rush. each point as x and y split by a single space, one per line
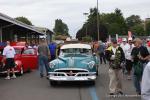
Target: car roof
18 47
78 45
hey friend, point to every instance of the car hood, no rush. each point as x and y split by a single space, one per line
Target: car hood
73 62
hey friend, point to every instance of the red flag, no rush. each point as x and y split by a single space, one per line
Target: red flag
129 34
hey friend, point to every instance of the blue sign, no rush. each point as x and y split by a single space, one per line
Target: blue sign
3 44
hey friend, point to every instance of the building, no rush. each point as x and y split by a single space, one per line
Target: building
47 33
14 30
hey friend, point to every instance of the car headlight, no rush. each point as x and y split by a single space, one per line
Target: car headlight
51 65
91 64
16 63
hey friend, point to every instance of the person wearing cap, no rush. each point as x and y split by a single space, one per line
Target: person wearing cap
115 56
124 45
127 51
140 57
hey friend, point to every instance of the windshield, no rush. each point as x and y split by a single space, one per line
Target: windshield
75 51
18 51
1 51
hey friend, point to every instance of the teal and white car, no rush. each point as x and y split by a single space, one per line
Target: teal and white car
76 62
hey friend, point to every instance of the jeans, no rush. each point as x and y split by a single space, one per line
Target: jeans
137 80
102 58
137 83
43 63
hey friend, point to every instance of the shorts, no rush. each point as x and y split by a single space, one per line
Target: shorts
129 65
10 63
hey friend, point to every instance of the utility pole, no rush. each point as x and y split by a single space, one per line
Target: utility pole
97 21
85 22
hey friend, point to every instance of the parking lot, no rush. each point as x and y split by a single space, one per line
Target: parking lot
31 87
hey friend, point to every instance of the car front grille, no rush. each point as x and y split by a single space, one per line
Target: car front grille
71 73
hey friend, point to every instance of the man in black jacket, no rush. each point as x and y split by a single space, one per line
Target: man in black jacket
140 57
115 56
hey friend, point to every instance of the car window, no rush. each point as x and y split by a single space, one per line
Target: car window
29 51
18 51
1 51
76 51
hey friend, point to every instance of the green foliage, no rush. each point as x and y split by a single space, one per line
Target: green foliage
60 27
133 20
24 20
138 29
110 23
148 28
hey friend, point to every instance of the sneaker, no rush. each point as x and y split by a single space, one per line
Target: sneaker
120 93
129 77
41 75
7 78
111 94
14 76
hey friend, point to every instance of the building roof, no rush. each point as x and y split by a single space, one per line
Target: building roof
19 23
43 29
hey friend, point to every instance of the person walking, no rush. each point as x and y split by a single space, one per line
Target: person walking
9 54
115 56
101 51
140 56
127 50
145 85
124 45
44 55
52 48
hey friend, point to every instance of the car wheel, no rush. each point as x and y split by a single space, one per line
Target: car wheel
53 83
92 82
21 71
28 70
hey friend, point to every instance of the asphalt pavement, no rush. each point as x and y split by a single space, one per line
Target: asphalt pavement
31 87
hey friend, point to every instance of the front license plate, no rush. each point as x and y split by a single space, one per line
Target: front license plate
70 78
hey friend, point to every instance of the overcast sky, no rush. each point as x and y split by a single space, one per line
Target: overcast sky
44 12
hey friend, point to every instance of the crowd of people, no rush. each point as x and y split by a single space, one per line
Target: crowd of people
131 59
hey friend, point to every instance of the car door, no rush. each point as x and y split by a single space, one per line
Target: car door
29 58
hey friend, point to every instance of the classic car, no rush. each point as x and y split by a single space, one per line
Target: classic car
76 62
26 59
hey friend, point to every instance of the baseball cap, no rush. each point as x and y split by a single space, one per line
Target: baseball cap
130 39
124 39
114 41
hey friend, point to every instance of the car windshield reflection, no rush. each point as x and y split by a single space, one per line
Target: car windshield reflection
75 51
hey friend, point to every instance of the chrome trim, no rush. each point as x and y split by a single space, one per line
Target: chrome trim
81 76
80 69
3 72
72 78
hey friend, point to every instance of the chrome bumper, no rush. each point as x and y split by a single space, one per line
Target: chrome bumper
4 72
90 77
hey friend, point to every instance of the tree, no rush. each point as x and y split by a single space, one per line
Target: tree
60 27
138 29
91 25
24 20
133 20
147 27
109 23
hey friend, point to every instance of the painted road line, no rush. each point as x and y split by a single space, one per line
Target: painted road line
93 93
